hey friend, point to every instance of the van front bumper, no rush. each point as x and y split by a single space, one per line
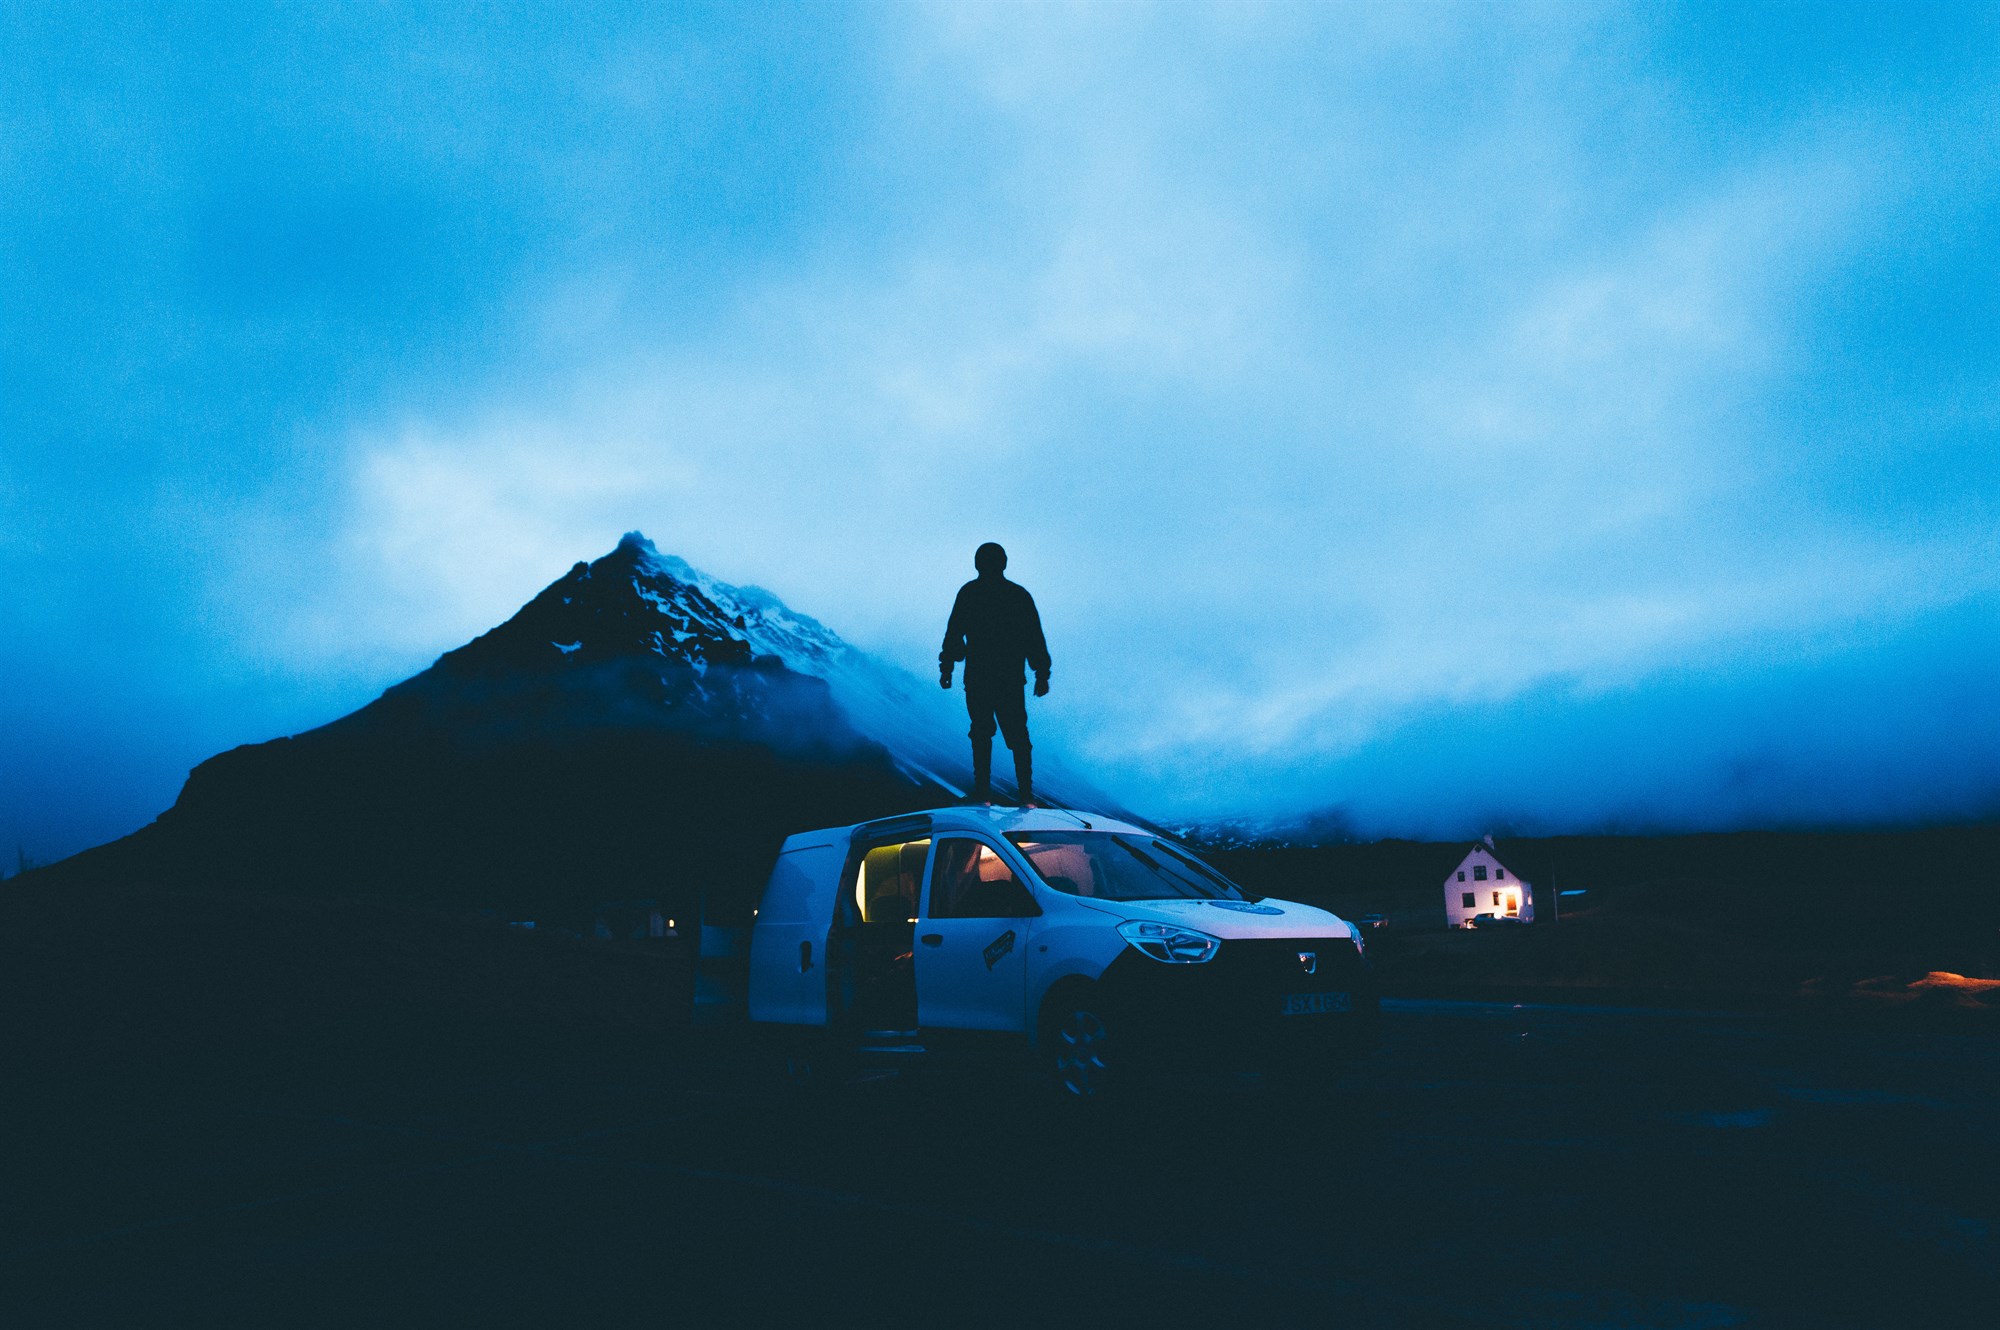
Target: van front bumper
1260 1004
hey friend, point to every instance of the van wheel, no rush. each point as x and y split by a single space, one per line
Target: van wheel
1080 1049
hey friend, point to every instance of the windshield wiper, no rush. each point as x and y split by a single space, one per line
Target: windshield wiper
1203 870
1165 871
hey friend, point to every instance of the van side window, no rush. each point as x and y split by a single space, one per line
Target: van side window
973 882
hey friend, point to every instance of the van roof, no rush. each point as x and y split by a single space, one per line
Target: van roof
994 819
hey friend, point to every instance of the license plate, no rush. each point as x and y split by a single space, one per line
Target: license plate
1313 1004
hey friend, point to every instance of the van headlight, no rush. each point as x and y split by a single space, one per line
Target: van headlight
1169 942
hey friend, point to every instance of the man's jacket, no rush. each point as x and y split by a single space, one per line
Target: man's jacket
994 628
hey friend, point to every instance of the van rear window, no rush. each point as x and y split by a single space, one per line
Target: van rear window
886 887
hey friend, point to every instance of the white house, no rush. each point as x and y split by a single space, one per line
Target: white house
1481 884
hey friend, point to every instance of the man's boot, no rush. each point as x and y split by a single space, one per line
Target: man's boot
982 770
1024 775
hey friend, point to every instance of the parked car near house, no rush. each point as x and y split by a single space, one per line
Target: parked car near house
1373 921
1091 948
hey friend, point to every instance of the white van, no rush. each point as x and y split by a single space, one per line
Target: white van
1097 947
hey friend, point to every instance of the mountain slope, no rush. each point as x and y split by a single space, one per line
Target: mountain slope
618 738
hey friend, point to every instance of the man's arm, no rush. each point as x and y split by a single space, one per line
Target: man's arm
1038 647
953 649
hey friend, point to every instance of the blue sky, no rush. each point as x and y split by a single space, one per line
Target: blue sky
1457 415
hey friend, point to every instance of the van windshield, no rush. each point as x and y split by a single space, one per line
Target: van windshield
1117 867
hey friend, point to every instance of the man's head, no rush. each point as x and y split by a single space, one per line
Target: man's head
990 560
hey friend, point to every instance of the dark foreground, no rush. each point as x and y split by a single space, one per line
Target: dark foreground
1493 1166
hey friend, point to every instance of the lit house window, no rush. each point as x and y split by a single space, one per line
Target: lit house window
1465 900
1479 872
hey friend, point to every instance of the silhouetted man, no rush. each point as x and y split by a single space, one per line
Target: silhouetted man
994 629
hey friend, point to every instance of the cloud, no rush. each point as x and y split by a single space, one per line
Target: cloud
1335 375
1293 528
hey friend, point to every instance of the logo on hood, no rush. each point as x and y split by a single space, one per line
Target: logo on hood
1245 907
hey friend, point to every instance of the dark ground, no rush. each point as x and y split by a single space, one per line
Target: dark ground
227 1111
1492 1166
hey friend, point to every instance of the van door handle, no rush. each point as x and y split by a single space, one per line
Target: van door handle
932 939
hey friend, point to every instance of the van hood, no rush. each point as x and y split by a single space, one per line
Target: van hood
1232 919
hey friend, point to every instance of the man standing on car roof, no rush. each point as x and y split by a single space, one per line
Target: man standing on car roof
994 628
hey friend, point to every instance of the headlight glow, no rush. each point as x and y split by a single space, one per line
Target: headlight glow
1169 942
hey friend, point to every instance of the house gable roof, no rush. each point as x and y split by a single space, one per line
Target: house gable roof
1480 847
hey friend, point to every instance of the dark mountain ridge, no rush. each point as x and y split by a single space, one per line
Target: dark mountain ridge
619 737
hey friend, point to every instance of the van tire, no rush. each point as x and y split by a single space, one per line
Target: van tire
1078 1045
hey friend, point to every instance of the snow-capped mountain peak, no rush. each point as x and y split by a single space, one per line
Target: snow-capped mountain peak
749 613
918 725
